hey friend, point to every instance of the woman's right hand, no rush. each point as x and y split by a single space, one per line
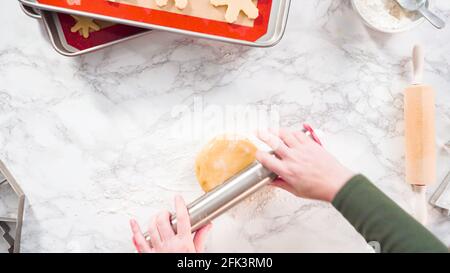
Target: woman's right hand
304 167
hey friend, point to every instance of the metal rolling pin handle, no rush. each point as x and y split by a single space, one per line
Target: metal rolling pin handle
230 193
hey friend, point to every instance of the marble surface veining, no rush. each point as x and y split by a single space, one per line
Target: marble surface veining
88 137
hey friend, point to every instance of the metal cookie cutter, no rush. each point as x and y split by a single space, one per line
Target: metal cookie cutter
441 197
12 201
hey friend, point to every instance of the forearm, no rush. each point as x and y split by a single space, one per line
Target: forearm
378 218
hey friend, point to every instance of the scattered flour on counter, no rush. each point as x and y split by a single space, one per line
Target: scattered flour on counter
385 14
254 205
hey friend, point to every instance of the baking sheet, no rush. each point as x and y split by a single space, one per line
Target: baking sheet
196 8
108 33
167 19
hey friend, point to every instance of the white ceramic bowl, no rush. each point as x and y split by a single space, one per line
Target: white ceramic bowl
407 27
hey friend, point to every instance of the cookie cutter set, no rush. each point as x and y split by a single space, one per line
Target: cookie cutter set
441 197
58 40
231 192
268 28
12 201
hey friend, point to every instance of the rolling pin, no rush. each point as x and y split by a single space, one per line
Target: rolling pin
230 193
420 135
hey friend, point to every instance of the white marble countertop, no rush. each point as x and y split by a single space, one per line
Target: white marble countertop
89 138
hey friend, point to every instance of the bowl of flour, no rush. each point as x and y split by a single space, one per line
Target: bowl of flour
386 15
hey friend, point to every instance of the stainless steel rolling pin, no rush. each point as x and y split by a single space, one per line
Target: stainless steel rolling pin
231 192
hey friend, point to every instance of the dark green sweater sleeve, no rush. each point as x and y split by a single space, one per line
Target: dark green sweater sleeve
377 218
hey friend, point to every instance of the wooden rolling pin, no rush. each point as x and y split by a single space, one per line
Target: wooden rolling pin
420 135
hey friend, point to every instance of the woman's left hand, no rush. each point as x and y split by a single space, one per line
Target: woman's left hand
164 239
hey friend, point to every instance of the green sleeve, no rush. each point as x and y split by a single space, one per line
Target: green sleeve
379 219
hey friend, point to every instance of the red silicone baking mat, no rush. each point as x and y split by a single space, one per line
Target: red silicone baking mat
106 34
171 19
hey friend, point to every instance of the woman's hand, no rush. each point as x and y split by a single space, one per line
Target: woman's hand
305 169
164 239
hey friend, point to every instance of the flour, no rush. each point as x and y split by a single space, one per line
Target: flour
385 14
254 205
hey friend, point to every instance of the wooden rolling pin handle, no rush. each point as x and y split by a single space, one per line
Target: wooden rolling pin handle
418 64
420 203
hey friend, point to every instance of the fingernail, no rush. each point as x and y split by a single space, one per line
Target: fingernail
136 246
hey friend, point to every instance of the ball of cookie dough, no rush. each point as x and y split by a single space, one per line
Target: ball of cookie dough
222 158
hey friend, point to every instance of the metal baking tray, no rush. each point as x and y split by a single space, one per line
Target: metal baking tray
268 33
31 12
57 38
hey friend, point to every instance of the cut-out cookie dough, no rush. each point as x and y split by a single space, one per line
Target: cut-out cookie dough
221 159
181 4
74 2
234 7
84 26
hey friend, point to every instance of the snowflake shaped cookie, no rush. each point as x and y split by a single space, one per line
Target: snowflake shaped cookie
181 4
84 26
234 7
